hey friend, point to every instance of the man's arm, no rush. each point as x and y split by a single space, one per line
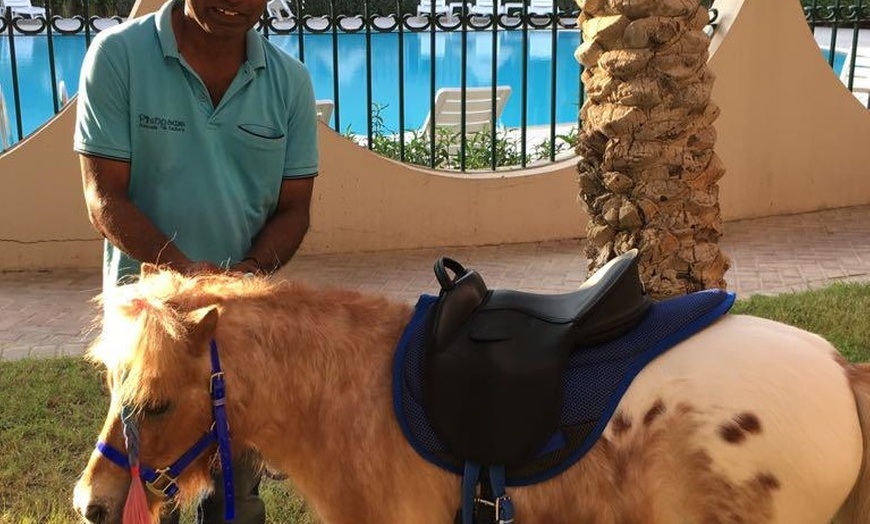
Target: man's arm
280 237
111 212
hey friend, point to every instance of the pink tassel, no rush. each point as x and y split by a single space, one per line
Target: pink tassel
136 508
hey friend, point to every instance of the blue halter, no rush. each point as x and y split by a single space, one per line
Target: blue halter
164 481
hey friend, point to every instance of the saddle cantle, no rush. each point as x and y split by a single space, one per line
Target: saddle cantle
492 384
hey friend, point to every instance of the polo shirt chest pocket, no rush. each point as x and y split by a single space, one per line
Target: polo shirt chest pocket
264 145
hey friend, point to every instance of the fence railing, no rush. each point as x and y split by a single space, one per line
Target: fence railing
396 82
842 30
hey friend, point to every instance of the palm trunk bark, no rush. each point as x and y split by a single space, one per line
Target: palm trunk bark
648 174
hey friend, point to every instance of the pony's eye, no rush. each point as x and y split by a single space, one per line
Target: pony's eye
156 408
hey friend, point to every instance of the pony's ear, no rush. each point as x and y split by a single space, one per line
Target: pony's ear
202 324
148 269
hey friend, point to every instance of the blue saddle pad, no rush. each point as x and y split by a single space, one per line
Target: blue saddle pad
595 380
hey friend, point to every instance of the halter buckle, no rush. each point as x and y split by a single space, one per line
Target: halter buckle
216 382
163 484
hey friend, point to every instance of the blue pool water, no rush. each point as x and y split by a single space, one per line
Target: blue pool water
37 108
839 59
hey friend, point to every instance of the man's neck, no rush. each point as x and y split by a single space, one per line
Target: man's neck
198 46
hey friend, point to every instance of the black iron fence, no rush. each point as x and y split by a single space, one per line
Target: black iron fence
510 62
428 32
539 36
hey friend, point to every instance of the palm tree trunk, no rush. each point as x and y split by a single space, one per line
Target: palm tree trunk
648 173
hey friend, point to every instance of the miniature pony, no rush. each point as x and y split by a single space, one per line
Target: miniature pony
747 421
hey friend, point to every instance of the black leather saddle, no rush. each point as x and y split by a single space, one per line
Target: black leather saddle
495 359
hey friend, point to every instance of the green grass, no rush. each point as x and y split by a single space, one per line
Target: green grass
50 414
840 313
51 410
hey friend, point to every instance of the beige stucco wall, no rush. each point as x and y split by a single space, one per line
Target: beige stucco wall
790 136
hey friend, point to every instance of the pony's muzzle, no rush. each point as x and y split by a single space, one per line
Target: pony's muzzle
96 513
93 508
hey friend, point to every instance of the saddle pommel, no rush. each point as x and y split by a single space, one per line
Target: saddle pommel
460 296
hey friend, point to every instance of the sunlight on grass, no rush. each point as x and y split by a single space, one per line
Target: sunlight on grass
51 410
840 313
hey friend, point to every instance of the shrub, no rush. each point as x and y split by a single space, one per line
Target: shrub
479 146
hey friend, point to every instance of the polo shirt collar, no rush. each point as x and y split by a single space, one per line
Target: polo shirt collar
163 20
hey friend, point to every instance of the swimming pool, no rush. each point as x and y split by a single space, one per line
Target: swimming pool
36 92
839 59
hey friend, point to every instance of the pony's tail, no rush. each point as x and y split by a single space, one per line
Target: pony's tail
856 509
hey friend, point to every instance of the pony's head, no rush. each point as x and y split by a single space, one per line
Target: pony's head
155 348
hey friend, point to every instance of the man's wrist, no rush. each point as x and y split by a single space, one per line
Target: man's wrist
252 262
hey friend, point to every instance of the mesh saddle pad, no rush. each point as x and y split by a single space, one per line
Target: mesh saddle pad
593 382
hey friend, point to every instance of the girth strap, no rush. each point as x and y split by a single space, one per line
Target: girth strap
493 506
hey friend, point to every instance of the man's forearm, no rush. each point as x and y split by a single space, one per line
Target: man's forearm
279 239
128 229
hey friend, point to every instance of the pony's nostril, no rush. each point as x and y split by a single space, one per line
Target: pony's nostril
96 514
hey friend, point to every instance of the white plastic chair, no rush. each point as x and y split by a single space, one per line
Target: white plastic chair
485 7
278 8
5 128
537 7
23 8
541 7
425 7
478 109
861 78
62 93
324 110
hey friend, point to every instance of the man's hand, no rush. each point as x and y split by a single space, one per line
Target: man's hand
280 237
247 266
199 267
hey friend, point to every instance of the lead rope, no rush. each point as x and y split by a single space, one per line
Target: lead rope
136 507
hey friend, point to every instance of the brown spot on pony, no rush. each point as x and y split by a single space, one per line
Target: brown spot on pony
734 432
308 376
657 409
620 424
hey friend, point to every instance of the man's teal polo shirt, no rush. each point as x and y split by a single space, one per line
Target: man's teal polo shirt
208 177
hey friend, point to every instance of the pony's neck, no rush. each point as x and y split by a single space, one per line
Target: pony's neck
313 378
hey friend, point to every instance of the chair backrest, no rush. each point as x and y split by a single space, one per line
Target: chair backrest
5 128
541 6
425 6
62 93
478 108
16 3
485 6
277 8
324 110
861 78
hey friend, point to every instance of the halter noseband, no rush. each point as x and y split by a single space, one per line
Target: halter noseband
164 481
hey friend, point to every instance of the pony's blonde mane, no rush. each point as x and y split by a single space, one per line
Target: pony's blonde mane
140 320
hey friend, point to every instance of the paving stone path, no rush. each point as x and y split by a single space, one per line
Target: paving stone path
49 313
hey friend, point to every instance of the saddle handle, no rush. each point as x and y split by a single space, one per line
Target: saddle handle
460 295
441 267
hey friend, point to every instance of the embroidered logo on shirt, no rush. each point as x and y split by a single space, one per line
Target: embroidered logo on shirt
161 123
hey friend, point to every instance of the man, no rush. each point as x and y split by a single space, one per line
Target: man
198 152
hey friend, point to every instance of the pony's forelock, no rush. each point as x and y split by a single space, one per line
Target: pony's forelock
140 320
